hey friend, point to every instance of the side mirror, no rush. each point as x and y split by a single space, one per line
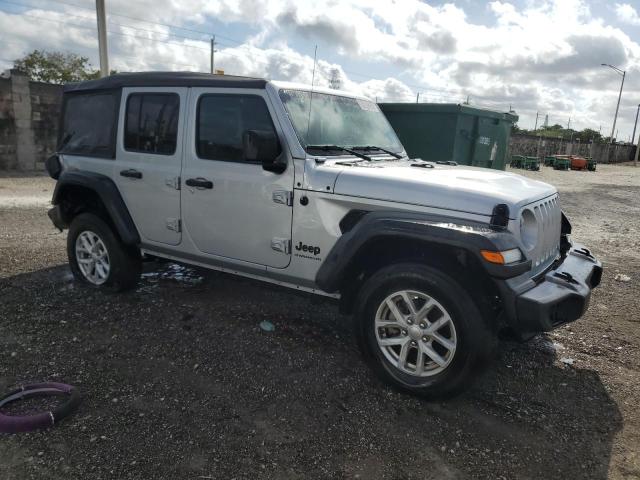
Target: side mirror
263 146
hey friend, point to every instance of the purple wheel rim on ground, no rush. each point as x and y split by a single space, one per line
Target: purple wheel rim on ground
38 421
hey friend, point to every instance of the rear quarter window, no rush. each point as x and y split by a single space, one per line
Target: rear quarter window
89 124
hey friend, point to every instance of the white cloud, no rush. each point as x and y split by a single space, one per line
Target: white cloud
544 57
627 14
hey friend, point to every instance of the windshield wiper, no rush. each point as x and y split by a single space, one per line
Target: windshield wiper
327 148
369 148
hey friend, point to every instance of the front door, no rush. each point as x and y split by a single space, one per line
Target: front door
148 160
232 207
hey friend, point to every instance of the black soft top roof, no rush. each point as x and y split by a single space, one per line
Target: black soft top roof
165 79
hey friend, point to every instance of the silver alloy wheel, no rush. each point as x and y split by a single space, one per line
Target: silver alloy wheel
415 333
92 257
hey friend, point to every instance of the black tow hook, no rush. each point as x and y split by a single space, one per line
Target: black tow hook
585 251
566 277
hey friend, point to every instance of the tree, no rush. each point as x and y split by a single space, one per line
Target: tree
56 67
516 129
589 134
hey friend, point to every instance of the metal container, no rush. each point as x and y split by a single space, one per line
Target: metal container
561 162
452 132
578 162
531 163
517 161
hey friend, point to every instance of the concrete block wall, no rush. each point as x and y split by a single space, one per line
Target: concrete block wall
531 146
8 157
28 121
46 101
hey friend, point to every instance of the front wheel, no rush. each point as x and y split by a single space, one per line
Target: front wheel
420 331
98 258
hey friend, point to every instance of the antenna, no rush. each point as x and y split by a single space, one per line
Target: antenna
313 76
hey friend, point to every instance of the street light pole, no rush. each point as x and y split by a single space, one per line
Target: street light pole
615 118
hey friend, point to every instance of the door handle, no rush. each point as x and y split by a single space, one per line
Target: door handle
131 173
199 183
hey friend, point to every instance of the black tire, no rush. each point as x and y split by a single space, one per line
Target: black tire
474 340
125 264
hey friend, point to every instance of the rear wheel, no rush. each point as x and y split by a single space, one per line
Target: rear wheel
420 331
98 258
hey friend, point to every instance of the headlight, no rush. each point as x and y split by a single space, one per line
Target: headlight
528 229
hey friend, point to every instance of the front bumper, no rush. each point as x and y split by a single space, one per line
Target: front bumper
561 296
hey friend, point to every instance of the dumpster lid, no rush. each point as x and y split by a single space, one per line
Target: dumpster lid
447 108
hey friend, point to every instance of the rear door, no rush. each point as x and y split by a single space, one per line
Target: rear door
148 160
241 211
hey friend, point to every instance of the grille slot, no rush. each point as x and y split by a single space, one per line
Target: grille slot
549 219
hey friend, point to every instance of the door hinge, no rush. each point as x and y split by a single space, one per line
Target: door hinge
173 182
174 224
281 245
284 197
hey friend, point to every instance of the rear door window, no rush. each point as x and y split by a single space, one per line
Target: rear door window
89 124
151 123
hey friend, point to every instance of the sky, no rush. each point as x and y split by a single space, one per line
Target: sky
534 57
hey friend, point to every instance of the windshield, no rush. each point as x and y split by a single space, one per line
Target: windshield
335 120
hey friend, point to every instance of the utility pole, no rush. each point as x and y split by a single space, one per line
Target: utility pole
535 128
102 38
633 135
213 51
418 97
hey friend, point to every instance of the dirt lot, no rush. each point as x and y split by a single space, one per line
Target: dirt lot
180 382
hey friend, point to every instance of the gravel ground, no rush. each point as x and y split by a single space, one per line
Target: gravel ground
180 382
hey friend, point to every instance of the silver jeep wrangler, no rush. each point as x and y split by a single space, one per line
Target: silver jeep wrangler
311 189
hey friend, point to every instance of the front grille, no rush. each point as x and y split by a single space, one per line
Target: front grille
549 220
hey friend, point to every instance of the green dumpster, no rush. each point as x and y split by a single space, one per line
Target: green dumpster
591 164
531 163
562 162
444 131
548 160
517 161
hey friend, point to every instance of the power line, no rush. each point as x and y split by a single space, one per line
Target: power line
239 43
109 31
425 90
152 22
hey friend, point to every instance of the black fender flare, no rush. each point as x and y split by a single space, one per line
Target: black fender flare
107 191
435 229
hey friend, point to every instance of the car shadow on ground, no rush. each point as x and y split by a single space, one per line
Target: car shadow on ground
180 381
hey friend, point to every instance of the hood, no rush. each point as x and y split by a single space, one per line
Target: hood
467 189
